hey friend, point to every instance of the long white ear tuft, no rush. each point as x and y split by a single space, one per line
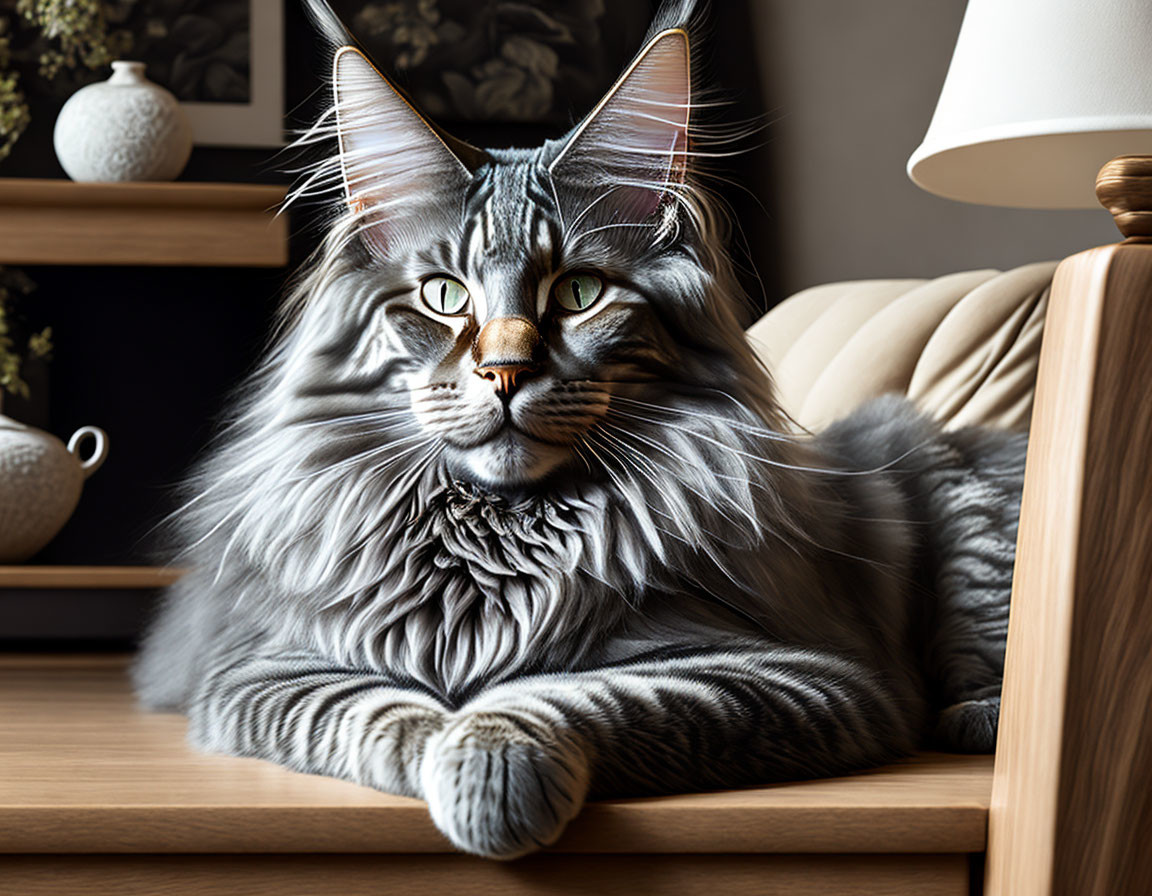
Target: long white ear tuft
392 160
636 139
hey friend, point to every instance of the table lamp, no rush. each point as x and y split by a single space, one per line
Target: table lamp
1040 96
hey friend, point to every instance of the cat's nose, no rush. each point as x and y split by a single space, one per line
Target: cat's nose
505 377
506 352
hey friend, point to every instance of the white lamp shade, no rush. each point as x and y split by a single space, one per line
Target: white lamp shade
1040 94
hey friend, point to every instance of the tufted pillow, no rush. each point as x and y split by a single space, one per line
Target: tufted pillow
963 347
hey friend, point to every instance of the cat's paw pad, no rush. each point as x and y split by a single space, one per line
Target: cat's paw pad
497 791
969 726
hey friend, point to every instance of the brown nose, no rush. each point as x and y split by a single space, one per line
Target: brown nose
506 352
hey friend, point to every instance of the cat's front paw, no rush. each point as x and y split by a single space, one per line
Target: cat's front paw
498 788
969 726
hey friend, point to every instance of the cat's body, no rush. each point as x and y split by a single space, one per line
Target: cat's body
509 516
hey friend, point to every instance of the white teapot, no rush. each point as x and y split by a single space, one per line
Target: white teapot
40 484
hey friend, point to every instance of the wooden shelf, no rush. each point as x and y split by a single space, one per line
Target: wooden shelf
86 770
100 797
69 577
60 222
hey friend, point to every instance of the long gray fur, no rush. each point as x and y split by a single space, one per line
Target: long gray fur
692 596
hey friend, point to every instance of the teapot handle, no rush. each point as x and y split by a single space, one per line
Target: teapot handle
99 450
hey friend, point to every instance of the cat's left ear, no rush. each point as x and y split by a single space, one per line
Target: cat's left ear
393 160
636 140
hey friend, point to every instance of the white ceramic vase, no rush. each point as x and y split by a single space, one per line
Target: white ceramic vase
125 128
40 483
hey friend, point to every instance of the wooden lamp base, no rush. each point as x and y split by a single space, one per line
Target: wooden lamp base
1071 805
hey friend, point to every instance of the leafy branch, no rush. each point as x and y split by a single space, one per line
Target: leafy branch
77 31
71 34
15 283
14 114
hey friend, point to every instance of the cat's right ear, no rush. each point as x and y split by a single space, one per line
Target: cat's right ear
632 149
393 161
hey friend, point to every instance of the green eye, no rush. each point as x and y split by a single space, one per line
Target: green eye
578 291
444 295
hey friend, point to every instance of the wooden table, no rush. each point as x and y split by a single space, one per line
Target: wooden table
99 797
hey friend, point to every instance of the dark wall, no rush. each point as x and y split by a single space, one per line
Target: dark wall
150 354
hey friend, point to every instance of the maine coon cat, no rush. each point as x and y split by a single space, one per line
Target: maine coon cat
508 516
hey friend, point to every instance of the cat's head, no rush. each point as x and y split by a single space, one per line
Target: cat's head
526 314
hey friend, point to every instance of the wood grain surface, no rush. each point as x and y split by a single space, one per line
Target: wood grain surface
1072 802
88 576
1124 187
65 223
432 875
84 770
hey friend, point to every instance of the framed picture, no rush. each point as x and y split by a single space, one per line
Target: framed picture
223 60
500 61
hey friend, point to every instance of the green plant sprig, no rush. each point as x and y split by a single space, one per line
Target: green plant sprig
79 31
73 34
14 113
15 283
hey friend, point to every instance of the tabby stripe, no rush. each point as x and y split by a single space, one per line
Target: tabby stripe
670 715
309 716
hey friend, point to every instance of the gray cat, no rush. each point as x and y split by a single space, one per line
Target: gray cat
508 516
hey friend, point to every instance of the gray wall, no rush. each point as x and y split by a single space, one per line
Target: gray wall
851 85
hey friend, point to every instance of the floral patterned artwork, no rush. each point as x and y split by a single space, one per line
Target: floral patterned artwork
499 60
198 49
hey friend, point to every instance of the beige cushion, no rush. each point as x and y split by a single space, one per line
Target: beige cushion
963 347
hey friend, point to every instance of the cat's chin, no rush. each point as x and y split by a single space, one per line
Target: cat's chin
510 460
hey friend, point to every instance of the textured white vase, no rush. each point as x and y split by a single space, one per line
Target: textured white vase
125 128
40 483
